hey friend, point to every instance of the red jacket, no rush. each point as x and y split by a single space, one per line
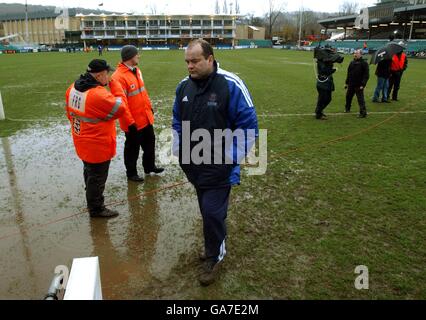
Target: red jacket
92 115
139 109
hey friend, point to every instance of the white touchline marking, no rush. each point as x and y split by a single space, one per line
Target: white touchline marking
334 114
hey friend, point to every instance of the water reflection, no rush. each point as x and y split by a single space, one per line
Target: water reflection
17 206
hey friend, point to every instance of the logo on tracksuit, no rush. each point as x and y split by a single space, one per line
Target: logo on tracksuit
212 100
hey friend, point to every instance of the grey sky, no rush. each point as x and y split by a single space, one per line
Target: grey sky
258 7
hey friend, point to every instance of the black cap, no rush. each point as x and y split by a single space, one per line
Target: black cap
128 52
98 65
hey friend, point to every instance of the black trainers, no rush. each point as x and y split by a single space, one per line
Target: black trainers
106 213
362 116
210 272
322 117
136 179
155 170
347 111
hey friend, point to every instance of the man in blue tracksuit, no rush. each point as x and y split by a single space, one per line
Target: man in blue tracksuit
209 101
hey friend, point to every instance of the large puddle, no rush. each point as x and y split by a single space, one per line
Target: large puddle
43 222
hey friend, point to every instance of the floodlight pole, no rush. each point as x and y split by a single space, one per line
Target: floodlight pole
300 28
412 27
26 22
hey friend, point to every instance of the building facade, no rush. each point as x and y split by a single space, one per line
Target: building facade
43 28
67 27
404 19
156 30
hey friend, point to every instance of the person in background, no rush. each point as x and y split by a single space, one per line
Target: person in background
383 73
138 122
398 67
356 81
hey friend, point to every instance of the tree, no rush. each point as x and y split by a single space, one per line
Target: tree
275 10
217 7
153 9
237 7
225 7
348 7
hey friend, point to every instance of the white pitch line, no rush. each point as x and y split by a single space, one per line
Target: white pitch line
36 120
283 115
334 114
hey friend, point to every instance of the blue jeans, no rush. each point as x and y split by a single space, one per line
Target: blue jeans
382 87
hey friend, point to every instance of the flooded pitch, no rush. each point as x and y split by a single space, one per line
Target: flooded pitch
43 222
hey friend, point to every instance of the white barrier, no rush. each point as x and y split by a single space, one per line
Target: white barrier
84 282
2 116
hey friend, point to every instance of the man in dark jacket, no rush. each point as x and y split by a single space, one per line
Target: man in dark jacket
383 72
209 101
358 75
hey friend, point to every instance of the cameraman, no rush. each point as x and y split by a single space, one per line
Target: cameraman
358 75
325 83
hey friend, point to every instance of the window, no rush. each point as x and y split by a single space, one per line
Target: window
217 23
142 23
174 23
120 23
131 23
99 24
207 23
186 23
196 23
110 24
228 23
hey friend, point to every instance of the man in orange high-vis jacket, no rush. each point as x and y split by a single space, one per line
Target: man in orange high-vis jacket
398 66
138 122
92 111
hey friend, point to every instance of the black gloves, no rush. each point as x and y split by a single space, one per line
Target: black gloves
133 129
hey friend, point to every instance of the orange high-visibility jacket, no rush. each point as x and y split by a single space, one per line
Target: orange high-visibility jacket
398 64
138 102
92 115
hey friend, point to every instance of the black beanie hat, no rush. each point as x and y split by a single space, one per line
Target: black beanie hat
128 52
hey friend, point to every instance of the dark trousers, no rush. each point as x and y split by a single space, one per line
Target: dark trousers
214 210
360 96
144 138
394 83
324 99
95 177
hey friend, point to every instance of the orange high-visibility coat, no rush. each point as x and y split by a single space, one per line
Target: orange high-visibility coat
92 115
139 105
398 64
